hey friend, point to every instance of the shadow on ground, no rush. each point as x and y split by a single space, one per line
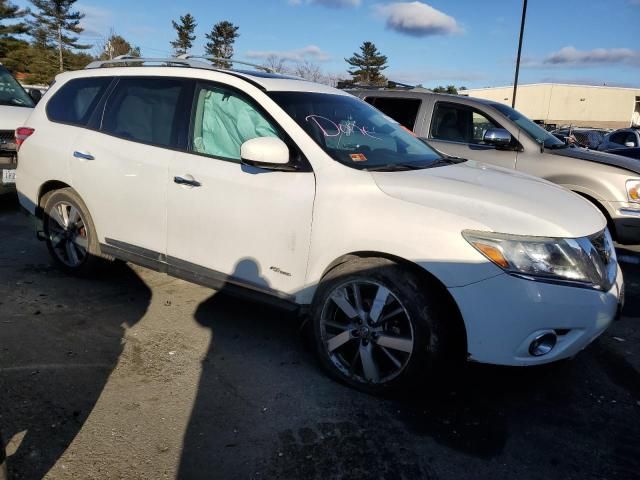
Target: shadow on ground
61 339
265 410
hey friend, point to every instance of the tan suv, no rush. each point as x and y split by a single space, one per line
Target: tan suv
494 133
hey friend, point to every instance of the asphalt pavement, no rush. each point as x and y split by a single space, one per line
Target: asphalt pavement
135 374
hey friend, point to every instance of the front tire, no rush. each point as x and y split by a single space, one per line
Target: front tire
70 235
379 328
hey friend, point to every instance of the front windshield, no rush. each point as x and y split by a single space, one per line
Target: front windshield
11 93
535 131
354 133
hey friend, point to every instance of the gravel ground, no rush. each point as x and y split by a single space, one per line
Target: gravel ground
138 375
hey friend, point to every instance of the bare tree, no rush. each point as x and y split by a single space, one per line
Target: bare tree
309 71
114 45
276 64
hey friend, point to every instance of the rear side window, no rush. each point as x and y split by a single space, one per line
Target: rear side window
75 101
149 110
402 110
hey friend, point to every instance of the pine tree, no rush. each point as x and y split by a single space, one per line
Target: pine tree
57 23
8 41
185 30
368 65
221 40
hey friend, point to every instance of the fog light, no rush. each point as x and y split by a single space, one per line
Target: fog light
542 344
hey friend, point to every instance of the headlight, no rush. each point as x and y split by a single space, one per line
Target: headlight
633 190
588 261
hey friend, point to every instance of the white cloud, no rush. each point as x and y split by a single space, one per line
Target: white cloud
310 52
598 56
417 19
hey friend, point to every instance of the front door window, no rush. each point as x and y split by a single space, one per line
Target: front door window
224 120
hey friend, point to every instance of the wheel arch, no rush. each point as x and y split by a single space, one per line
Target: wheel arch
457 322
47 187
599 205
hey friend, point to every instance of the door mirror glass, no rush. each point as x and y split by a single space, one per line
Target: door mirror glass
629 144
264 152
498 137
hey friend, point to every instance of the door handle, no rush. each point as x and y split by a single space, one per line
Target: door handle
186 181
83 155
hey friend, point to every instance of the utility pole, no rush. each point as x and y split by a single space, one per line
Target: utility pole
515 82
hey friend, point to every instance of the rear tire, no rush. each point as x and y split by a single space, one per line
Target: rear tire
380 328
70 234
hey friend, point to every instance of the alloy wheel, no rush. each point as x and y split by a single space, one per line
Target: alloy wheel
366 331
67 233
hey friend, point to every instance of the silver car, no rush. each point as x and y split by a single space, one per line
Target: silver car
625 137
494 133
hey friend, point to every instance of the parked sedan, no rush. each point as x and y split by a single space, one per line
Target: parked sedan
625 137
584 137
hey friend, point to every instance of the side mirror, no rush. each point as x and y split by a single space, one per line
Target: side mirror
498 137
35 94
264 152
629 144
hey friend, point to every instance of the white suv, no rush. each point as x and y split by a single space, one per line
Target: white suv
304 196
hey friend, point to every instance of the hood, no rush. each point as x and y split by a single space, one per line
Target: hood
495 199
13 117
626 163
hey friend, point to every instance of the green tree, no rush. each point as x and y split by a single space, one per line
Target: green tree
185 30
448 89
221 40
56 23
116 45
368 65
8 31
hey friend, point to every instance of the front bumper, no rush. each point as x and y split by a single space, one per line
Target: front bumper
504 314
626 221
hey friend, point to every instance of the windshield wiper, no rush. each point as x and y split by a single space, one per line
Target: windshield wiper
447 161
393 167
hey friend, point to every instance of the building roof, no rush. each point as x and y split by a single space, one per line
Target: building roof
555 84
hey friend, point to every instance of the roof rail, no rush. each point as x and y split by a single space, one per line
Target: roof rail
350 84
185 60
124 60
188 56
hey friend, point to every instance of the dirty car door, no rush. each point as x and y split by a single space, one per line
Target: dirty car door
231 222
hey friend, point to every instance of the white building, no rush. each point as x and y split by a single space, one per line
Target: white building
566 104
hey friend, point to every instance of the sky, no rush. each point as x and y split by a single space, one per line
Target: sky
433 42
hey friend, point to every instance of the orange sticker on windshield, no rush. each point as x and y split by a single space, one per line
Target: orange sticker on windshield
358 157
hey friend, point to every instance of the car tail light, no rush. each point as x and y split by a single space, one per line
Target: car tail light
22 133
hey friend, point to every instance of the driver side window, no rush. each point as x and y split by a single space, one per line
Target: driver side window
224 120
458 123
